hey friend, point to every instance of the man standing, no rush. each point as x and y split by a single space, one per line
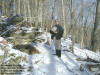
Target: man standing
56 34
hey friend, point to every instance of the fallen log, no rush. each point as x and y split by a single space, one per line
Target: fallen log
87 54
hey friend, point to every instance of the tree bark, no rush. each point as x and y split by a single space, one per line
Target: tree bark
82 31
63 11
96 24
72 26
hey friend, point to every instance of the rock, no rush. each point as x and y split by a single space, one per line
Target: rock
97 73
3 18
27 49
94 67
30 68
8 25
12 54
1 59
3 41
34 51
22 38
14 19
2 25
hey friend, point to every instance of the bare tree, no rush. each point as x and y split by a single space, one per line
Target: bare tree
96 25
72 26
82 14
53 11
63 11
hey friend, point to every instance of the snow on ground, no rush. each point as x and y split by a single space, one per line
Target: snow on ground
82 53
1 52
1 38
46 63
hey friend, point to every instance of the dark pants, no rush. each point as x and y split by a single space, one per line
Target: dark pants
57 44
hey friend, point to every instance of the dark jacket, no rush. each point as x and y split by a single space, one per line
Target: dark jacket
59 33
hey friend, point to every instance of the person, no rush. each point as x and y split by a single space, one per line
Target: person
56 35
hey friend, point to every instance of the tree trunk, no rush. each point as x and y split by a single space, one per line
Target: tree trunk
72 26
53 11
82 31
96 24
63 11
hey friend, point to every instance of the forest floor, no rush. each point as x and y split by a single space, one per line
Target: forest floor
45 63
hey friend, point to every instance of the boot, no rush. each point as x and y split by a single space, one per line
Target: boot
58 53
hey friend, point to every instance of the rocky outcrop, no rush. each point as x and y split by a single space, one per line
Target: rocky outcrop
14 19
